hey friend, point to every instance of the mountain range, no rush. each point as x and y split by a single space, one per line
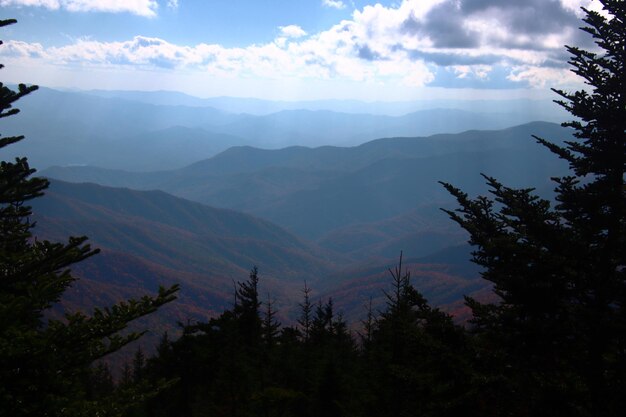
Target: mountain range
133 131
532 109
335 217
315 191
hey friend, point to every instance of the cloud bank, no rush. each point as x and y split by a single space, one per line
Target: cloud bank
477 42
146 8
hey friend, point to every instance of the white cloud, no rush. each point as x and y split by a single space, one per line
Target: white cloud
172 4
544 77
335 4
145 8
396 45
317 58
48 4
292 31
575 6
477 71
18 49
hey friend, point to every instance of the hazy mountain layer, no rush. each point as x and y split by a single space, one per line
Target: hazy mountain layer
123 131
176 233
531 109
313 192
152 238
363 205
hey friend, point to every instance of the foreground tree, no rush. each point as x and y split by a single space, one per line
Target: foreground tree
44 364
415 360
555 342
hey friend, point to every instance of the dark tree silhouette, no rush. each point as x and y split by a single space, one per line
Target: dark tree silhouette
306 313
44 363
554 342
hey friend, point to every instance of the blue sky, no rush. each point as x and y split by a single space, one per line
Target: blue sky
296 49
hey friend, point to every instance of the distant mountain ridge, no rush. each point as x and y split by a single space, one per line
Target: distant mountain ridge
313 191
533 108
124 131
360 205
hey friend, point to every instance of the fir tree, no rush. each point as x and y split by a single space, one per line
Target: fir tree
306 311
139 363
101 381
247 309
415 357
44 363
368 326
554 343
270 326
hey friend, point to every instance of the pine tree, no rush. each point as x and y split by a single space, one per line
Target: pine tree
139 364
306 312
247 309
101 381
44 363
415 356
554 343
126 380
270 326
368 326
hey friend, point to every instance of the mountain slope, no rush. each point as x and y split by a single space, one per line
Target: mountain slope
247 159
315 191
175 233
416 232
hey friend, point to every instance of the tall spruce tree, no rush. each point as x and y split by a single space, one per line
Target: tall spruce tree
44 363
415 357
555 342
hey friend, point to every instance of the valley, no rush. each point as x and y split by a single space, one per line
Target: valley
337 217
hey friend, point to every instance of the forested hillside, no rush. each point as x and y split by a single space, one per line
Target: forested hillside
312 192
149 237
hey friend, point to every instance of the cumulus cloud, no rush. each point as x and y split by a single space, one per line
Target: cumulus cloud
472 35
292 31
145 8
335 4
405 44
17 49
543 77
49 4
576 5
476 71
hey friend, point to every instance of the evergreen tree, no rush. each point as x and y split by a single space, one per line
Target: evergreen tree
554 342
368 326
306 311
416 357
44 364
247 309
139 363
270 326
101 381
126 379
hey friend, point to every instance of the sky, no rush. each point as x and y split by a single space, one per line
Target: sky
297 49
